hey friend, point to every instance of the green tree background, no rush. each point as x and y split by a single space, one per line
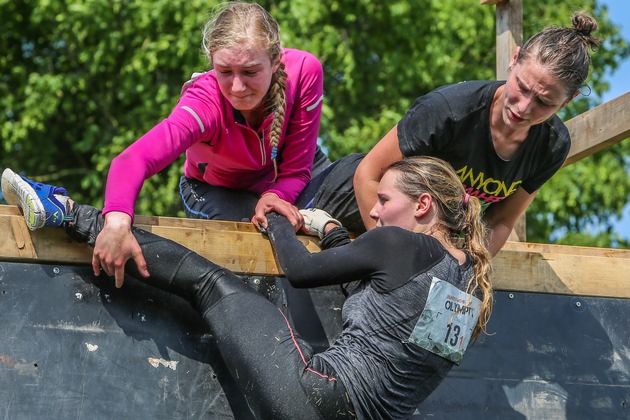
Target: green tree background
83 79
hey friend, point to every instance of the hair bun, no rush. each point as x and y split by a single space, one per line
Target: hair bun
584 23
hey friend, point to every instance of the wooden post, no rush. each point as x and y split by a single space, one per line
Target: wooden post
598 128
509 32
509 21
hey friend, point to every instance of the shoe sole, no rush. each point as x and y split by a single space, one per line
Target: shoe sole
19 193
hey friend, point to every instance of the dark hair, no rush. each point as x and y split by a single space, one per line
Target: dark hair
565 51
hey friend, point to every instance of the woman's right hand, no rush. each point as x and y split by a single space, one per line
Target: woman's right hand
114 246
269 202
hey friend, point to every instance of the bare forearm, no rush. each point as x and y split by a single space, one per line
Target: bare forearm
369 173
500 218
496 238
365 193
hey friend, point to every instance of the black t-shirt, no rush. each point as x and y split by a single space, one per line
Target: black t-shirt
453 123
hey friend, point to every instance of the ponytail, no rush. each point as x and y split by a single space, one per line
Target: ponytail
474 239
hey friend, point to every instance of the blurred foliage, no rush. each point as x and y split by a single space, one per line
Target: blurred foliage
80 80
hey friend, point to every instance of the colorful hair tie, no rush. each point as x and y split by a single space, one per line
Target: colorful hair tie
274 155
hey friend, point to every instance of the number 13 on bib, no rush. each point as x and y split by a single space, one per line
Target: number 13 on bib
447 321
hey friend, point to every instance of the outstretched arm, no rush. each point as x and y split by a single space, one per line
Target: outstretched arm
300 140
302 268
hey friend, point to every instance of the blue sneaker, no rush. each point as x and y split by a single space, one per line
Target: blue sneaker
42 204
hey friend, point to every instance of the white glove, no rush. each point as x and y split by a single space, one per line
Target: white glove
315 220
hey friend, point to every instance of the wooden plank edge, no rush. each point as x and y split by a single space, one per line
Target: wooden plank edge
520 267
237 246
598 128
548 269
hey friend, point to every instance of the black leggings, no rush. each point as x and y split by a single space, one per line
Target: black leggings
272 365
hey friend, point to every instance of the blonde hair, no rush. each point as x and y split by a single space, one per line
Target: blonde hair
237 24
565 51
458 214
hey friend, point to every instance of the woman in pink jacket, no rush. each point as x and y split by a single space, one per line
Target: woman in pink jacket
249 129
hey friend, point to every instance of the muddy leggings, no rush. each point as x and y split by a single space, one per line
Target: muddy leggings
272 365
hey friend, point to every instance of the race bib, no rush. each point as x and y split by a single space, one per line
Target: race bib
447 321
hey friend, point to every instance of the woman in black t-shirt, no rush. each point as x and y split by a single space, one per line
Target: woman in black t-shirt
502 137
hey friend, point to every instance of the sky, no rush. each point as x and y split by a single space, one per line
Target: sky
619 12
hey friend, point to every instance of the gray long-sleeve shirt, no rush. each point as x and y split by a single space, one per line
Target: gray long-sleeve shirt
386 375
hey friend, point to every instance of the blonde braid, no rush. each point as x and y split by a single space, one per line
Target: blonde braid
276 102
236 25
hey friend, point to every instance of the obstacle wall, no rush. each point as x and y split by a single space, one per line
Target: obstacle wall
74 346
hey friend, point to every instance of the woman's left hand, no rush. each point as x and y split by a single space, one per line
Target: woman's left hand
271 202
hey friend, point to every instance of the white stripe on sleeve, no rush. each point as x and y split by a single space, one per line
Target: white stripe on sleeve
312 107
194 114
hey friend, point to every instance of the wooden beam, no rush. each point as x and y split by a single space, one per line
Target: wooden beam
569 270
522 267
509 32
599 128
237 246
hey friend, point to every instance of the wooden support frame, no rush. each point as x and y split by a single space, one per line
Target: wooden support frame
234 245
521 267
509 32
598 128
562 269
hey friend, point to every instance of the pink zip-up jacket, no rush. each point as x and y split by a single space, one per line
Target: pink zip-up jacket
221 149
